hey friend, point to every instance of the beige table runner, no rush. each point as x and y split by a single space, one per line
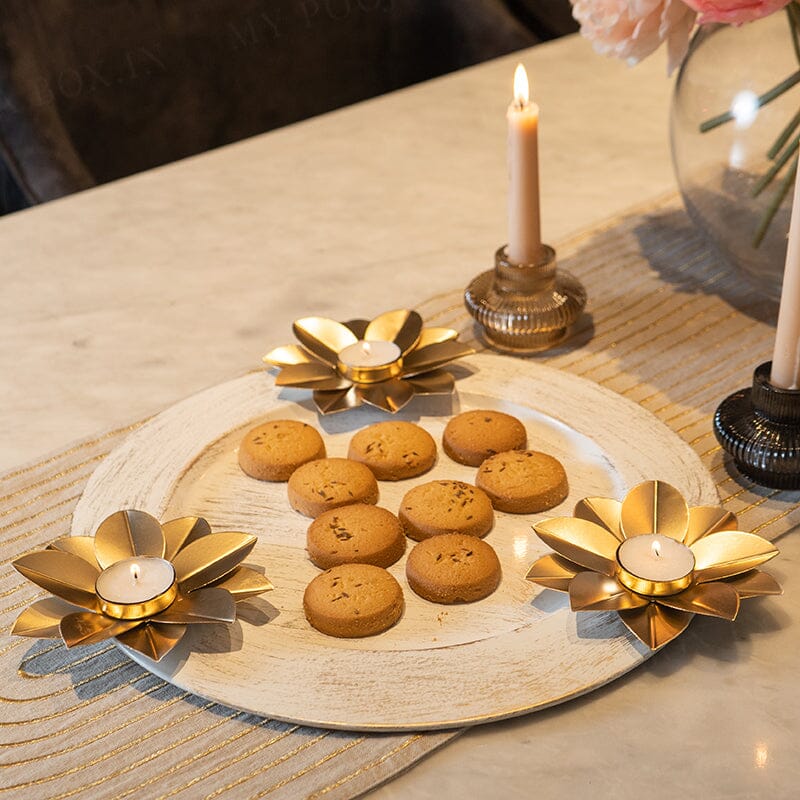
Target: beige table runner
668 328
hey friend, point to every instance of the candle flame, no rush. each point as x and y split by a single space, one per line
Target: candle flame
521 86
656 549
135 572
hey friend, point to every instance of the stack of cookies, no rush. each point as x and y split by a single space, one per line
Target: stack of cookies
354 540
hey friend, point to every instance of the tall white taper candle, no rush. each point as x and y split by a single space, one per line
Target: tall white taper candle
786 356
524 236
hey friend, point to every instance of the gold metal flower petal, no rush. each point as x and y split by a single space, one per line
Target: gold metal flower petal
288 355
63 574
153 640
436 336
180 532
200 606
332 402
591 591
358 326
433 356
602 511
581 541
711 599
729 553
704 520
312 376
553 572
245 582
655 625
389 395
654 507
325 338
437 381
81 546
126 534
41 620
754 584
403 327
85 627
208 559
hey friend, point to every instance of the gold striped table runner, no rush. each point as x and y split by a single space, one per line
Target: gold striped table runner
668 328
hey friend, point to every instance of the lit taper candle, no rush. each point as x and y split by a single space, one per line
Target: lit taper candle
524 234
786 356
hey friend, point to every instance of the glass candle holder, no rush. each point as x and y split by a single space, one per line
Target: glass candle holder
525 308
760 427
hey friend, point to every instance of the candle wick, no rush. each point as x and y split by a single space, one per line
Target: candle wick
366 349
656 550
135 572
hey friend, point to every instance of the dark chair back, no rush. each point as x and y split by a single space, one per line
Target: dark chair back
94 90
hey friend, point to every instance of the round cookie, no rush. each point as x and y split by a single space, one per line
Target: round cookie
473 436
523 481
394 450
353 600
274 450
453 568
328 483
445 507
355 534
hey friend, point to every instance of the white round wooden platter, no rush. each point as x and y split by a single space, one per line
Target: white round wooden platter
441 666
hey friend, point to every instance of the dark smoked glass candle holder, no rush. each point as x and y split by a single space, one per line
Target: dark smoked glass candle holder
525 308
760 427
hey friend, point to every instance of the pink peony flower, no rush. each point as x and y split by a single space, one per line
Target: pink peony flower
735 11
632 29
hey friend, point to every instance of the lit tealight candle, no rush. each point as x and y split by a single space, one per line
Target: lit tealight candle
369 354
134 588
653 564
370 362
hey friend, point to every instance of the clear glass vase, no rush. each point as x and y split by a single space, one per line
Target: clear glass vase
719 170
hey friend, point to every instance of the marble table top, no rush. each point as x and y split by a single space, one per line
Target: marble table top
119 301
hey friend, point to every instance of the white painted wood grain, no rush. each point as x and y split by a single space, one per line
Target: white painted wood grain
518 650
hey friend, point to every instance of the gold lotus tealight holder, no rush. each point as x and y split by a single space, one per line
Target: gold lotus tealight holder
653 560
139 582
383 362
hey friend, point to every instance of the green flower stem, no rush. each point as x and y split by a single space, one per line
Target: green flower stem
784 137
783 190
794 18
767 97
768 176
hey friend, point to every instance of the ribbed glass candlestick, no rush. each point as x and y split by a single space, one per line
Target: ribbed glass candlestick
760 427
525 308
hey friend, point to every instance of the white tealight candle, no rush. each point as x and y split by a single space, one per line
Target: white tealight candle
654 557
135 580
370 354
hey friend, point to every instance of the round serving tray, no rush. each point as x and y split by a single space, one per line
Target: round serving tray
518 650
